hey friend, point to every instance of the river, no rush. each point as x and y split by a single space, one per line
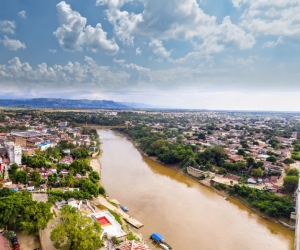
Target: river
188 215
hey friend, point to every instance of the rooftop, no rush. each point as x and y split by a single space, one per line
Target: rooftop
114 229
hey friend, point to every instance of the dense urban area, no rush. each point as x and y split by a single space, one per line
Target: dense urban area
251 156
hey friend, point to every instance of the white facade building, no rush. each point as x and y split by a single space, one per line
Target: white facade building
110 227
14 152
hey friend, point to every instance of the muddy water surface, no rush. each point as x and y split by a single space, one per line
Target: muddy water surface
188 215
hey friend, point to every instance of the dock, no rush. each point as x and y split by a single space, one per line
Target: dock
129 219
133 222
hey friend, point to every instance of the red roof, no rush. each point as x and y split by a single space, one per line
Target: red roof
133 245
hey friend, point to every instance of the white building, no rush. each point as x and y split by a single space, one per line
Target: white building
110 227
14 152
43 146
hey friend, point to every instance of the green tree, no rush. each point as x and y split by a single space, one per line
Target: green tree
80 153
257 172
36 178
290 183
292 172
12 171
70 180
21 177
288 161
76 231
94 176
260 164
90 187
52 178
202 136
241 152
36 162
272 159
12 206
36 217
250 162
102 191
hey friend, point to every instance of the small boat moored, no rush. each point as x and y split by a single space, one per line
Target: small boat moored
125 209
157 238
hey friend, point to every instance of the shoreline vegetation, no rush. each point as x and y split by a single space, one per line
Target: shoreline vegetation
222 193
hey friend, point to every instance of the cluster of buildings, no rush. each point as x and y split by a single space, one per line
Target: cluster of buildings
241 135
38 137
110 226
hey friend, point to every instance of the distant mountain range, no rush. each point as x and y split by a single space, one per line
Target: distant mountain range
67 103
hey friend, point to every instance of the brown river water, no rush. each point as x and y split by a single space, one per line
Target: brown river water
187 214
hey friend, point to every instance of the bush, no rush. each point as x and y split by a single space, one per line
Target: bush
9 234
131 236
102 191
115 240
220 186
117 216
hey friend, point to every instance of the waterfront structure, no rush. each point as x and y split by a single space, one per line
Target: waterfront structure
194 171
197 172
110 227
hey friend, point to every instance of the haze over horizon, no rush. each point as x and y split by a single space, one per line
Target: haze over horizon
194 54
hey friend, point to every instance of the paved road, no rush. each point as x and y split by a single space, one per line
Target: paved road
46 242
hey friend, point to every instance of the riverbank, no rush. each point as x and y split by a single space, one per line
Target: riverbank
95 164
104 201
207 184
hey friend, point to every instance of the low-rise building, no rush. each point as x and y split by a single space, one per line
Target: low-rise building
110 227
45 145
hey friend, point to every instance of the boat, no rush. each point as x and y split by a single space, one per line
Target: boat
157 238
125 209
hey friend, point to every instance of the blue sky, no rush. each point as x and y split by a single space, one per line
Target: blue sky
229 54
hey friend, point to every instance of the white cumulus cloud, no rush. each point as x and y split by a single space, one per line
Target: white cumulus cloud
12 44
73 33
158 49
22 14
70 33
138 51
271 18
177 19
272 44
96 40
7 26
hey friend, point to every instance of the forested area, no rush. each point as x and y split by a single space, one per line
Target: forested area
267 202
154 144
